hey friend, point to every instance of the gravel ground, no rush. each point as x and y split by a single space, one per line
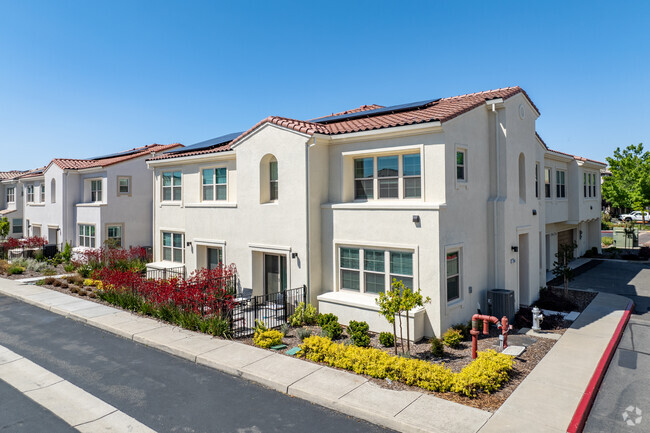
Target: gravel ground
31 274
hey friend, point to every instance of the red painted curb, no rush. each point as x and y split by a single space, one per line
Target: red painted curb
584 407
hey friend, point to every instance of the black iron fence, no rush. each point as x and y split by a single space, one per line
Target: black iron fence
273 309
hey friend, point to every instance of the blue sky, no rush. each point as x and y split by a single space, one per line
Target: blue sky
82 78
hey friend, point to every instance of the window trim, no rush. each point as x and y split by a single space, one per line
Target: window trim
11 194
214 184
560 187
275 181
29 193
97 193
387 249
42 192
129 180
106 233
13 225
171 186
376 179
463 151
171 247
450 250
92 237
548 192
537 180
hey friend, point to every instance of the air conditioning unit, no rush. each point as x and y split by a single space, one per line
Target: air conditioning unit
501 303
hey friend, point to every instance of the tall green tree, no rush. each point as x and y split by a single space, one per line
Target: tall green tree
629 185
4 227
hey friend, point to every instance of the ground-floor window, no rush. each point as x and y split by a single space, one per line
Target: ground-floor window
172 247
114 235
87 235
214 257
453 275
17 225
372 270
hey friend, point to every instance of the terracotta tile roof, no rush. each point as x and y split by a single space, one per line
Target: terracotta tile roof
11 174
32 173
442 110
77 164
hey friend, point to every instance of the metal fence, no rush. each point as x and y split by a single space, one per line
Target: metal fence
166 273
48 251
273 309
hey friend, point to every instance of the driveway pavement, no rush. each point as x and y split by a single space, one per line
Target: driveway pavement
623 402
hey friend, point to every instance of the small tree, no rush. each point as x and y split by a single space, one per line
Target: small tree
561 266
4 227
397 300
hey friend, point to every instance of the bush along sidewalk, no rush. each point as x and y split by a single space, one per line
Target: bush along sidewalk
486 374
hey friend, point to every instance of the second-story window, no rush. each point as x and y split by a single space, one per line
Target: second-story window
11 194
30 193
273 180
559 184
547 182
537 180
392 177
214 181
124 185
460 166
171 186
96 190
42 198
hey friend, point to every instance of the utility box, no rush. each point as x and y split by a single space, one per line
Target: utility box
626 238
501 302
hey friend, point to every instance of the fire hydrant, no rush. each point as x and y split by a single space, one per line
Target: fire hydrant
538 317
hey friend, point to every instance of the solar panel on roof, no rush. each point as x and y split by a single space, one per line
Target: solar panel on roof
113 155
375 112
207 144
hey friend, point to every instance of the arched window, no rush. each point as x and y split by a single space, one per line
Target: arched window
522 177
269 187
53 191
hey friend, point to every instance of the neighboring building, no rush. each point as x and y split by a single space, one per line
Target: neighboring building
87 201
11 201
447 195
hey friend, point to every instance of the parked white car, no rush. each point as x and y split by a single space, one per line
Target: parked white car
636 216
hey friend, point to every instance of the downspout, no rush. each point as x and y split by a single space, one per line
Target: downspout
307 194
498 196
153 213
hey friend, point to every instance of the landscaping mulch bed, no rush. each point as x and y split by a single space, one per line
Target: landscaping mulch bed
31 274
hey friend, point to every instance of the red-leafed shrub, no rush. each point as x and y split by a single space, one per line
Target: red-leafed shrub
12 243
34 242
135 258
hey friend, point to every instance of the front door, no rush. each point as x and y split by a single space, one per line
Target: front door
275 273
214 258
52 236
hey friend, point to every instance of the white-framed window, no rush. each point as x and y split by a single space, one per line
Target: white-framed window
372 270
87 235
30 193
273 179
17 225
171 185
53 191
124 185
453 275
172 247
214 183
115 234
96 190
387 177
461 165
547 182
42 197
560 185
11 194
594 184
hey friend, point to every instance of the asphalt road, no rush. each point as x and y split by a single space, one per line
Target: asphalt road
623 401
166 393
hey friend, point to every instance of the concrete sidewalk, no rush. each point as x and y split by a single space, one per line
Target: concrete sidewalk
544 401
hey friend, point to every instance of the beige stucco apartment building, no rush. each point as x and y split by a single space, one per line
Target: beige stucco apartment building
454 196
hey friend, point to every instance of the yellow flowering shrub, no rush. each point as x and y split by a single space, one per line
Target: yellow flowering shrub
91 282
487 373
267 339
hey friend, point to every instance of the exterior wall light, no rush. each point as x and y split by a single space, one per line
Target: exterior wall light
416 218
188 243
534 211
514 248
294 255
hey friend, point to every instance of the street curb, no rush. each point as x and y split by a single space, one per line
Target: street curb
586 402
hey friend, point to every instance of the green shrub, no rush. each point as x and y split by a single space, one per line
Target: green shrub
333 330
437 348
607 241
303 333
39 256
49 271
266 339
85 270
464 329
387 339
358 332
452 338
66 255
304 315
324 319
487 373
284 328
69 267
15 269
40 283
